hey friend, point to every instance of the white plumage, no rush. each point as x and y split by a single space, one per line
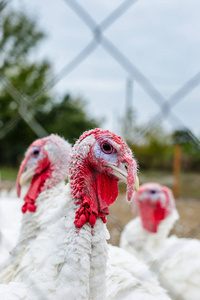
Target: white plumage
176 261
64 261
10 222
128 278
57 150
146 245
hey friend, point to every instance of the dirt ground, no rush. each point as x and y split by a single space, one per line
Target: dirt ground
187 226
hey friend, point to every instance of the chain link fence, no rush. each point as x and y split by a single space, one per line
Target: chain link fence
99 39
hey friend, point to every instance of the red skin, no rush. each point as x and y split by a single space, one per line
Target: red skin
92 183
42 171
36 186
151 212
103 191
151 215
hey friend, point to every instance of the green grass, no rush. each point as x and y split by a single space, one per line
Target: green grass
189 186
8 173
189 183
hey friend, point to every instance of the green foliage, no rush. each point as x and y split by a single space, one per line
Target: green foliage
22 77
154 151
67 118
19 36
189 181
8 173
190 158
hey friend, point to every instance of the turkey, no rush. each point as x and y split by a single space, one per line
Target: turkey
176 261
129 278
10 220
68 258
146 236
46 162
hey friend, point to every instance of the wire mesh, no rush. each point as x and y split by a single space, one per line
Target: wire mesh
99 39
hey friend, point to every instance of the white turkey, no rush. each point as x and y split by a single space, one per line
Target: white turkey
46 164
175 260
10 220
130 279
68 258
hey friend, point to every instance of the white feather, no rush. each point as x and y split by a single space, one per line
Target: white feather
175 261
144 244
10 221
128 278
56 260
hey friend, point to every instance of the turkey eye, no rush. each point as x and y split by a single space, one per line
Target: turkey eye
35 153
107 148
153 191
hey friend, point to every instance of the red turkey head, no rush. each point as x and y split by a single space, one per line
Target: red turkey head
155 202
46 163
99 160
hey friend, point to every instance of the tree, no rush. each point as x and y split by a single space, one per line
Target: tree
19 35
67 118
190 149
155 150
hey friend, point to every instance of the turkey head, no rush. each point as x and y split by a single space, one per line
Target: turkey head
155 202
46 164
99 160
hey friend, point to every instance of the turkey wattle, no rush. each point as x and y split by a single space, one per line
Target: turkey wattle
46 162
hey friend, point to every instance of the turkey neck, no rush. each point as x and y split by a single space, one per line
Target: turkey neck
99 256
164 228
32 224
156 243
88 239
32 221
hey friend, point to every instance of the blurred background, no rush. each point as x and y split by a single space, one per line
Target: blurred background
131 66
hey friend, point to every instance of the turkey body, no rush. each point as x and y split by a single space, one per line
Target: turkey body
67 256
40 159
10 221
129 278
145 245
67 250
45 268
175 261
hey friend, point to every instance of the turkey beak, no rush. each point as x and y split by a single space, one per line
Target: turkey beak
137 184
127 172
24 176
120 172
